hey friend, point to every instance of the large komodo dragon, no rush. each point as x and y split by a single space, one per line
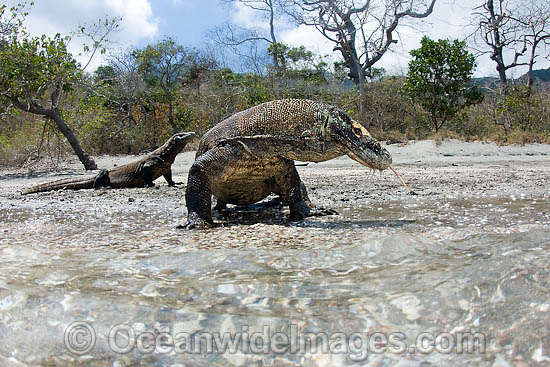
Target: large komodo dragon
136 174
251 154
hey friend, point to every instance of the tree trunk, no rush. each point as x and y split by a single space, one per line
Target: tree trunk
531 63
497 55
357 75
498 58
502 75
86 160
171 119
363 100
55 115
199 115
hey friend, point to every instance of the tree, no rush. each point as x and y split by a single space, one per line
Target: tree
36 73
121 85
513 31
536 22
300 73
293 58
165 66
362 31
499 30
438 78
199 70
236 38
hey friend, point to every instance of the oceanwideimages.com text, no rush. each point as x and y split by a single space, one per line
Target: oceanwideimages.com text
80 339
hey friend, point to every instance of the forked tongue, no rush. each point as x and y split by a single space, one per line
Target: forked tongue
402 181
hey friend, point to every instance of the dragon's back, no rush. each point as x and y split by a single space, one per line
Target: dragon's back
281 118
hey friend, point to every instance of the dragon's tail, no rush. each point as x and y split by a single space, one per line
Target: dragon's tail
100 180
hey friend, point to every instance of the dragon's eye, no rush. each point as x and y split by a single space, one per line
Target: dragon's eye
357 131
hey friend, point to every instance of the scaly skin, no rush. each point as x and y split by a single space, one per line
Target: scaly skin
251 154
136 174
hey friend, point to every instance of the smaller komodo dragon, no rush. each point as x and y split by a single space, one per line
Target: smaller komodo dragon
136 174
251 154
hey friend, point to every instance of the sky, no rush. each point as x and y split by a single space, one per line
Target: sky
189 21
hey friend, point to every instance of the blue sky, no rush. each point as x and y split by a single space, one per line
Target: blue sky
188 22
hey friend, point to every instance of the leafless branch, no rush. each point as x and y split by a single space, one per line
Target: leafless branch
362 30
512 26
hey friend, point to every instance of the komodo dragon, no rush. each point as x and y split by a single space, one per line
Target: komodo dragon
136 174
251 154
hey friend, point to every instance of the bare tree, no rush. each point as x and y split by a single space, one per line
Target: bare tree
514 31
536 21
200 67
122 73
246 39
502 32
245 44
362 31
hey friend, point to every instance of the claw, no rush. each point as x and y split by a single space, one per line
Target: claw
306 211
192 225
320 212
195 222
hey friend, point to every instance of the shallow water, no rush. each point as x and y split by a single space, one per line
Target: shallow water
392 283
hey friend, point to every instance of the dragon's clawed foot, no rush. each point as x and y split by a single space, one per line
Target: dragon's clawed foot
303 211
195 222
320 212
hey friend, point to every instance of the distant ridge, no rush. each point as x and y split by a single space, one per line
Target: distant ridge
540 77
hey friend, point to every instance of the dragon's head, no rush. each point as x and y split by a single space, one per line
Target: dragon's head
182 138
176 143
356 141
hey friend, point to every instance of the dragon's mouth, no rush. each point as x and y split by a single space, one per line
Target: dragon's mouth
371 154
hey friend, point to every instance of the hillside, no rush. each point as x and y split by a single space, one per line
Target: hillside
540 76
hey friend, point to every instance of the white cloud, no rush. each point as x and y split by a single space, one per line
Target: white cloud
64 16
137 18
247 17
309 37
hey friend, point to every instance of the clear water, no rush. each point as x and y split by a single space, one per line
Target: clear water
412 267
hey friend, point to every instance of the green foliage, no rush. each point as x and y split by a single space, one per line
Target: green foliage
166 67
31 67
295 58
278 51
296 72
167 64
97 35
438 79
523 109
105 75
244 90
